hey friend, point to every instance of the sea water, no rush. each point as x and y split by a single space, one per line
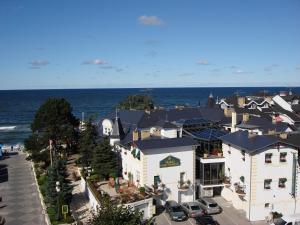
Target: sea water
18 107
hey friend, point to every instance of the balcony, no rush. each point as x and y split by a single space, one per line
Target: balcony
240 190
184 185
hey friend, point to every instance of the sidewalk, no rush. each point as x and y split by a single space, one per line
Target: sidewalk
79 205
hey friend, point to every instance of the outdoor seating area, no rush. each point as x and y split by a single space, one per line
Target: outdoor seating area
121 190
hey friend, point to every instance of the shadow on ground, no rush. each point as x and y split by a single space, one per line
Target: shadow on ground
3 173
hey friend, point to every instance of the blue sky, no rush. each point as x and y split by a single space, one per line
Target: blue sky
169 43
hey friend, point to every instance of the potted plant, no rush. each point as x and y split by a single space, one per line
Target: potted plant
142 191
206 152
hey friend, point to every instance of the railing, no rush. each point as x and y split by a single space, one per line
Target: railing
211 182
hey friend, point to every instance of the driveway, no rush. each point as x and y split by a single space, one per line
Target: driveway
20 199
229 216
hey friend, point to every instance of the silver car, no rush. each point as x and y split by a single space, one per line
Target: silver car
209 206
192 209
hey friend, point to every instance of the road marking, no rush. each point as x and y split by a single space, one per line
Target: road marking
190 222
167 219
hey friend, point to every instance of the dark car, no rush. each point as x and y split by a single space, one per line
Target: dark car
175 211
206 220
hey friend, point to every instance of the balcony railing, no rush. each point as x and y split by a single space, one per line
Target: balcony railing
211 182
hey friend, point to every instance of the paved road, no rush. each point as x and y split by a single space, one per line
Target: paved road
229 216
21 203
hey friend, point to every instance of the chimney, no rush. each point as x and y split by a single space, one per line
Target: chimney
145 134
135 135
227 112
274 119
251 134
245 117
241 101
233 121
271 132
283 135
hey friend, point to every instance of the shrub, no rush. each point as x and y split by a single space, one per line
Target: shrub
42 179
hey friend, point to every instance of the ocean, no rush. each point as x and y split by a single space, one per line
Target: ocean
18 107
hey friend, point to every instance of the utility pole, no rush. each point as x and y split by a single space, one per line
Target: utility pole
50 147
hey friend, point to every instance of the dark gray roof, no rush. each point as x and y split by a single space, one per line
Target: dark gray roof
264 124
241 140
292 97
292 139
165 124
164 143
117 129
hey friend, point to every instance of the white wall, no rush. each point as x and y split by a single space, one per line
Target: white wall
171 175
169 133
255 171
107 126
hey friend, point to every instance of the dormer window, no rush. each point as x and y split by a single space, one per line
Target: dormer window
267 184
268 158
282 156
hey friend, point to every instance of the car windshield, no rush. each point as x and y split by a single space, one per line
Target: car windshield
213 205
280 221
195 207
176 209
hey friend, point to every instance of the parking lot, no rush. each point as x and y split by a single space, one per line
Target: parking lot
229 216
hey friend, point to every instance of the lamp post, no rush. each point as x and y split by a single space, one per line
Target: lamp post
58 190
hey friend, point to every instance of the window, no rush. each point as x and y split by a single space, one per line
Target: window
182 177
281 182
156 180
267 183
268 157
267 205
282 156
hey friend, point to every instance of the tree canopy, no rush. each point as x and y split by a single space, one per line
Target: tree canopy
87 144
139 102
110 213
104 160
53 120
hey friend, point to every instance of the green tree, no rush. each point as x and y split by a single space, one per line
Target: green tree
87 144
110 213
53 120
104 160
139 102
55 199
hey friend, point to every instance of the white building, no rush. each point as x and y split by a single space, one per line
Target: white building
166 164
263 172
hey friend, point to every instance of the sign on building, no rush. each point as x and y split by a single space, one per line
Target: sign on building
170 161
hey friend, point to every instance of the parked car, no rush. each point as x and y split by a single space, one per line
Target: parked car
192 209
206 220
209 206
287 220
2 220
175 211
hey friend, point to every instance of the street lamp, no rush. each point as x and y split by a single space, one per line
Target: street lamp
57 190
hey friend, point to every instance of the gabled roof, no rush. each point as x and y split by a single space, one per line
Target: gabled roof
117 129
251 145
241 140
290 97
164 143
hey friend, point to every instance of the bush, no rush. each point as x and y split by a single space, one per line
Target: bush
42 179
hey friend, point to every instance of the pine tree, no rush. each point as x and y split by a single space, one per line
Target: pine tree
104 160
87 144
55 199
